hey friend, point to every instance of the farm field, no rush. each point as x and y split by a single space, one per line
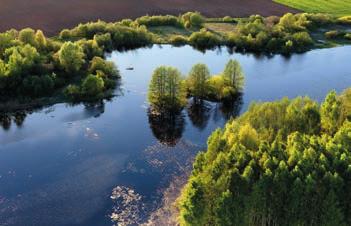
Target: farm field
53 16
335 7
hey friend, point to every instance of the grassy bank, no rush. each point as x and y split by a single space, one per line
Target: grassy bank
334 7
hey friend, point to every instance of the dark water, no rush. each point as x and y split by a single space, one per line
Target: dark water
59 165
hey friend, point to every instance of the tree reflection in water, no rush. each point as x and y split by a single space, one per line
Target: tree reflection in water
7 118
167 126
228 109
199 112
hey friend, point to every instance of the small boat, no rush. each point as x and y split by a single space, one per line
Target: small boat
129 68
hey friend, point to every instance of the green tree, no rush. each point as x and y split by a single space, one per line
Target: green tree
27 36
330 113
71 57
40 40
166 89
234 75
198 81
92 87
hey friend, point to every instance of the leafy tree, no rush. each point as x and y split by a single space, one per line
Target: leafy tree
40 40
92 87
71 57
198 81
166 89
330 113
234 75
27 36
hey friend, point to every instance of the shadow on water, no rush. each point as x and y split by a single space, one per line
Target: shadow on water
229 108
7 119
167 126
199 112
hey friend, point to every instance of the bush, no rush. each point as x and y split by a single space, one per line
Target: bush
71 57
345 20
150 21
320 19
108 68
204 39
334 34
72 92
92 87
348 36
178 40
192 19
104 41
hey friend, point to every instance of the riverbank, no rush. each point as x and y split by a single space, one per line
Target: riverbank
53 16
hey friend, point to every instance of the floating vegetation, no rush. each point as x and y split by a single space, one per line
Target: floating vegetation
173 164
128 207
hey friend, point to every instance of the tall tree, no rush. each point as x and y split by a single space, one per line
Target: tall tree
166 89
71 57
198 81
234 75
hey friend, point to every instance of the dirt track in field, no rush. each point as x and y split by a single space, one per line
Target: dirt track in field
53 15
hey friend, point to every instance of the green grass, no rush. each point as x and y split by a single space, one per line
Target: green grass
220 27
335 7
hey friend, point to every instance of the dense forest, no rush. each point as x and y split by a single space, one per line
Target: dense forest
281 163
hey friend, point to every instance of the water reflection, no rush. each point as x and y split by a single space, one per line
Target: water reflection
228 109
6 119
199 112
167 126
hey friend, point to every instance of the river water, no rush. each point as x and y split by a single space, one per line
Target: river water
82 164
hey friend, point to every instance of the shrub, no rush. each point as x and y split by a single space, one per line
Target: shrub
107 67
345 20
192 19
92 87
150 21
71 57
178 40
204 39
334 34
104 41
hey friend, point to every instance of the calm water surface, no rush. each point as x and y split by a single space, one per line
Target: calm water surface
60 165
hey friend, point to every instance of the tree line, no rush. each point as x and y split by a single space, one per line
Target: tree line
286 162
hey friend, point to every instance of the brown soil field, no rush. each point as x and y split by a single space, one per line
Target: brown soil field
53 15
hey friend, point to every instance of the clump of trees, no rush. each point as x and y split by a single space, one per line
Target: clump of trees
272 34
168 90
281 163
32 65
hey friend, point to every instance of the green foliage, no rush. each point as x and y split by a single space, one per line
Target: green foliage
92 87
288 34
71 57
204 39
334 34
151 21
106 67
166 89
27 36
197 81
281 163
345 20
192 19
